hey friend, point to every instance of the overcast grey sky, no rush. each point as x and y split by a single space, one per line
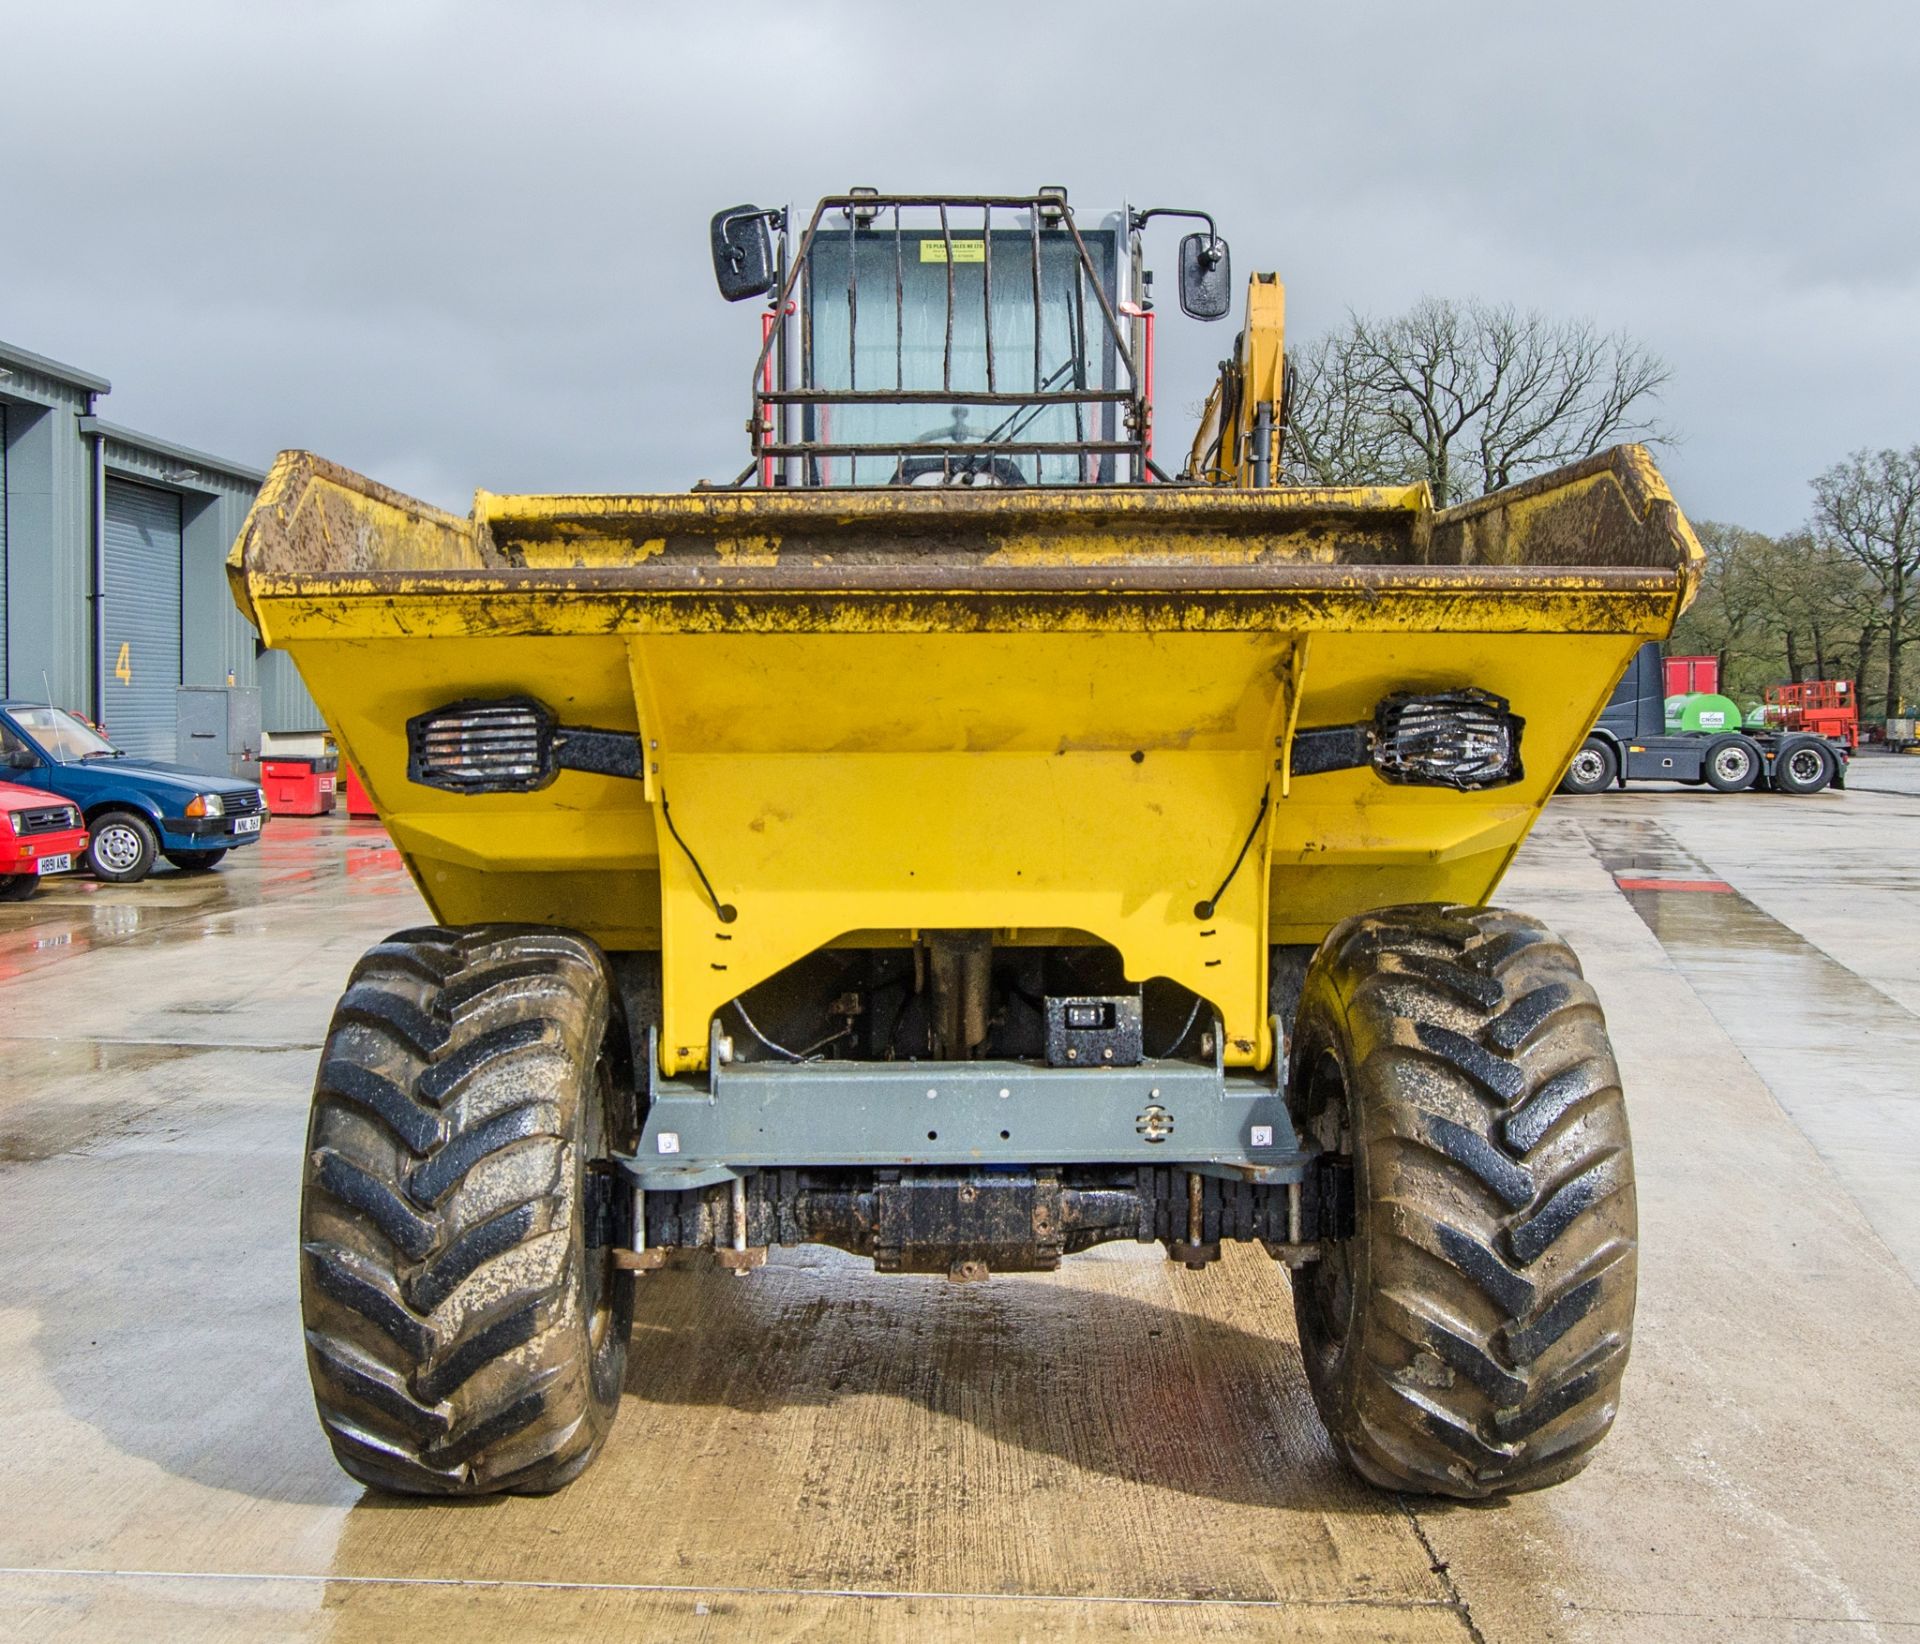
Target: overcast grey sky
465 245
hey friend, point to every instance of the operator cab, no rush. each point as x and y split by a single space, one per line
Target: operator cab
955 341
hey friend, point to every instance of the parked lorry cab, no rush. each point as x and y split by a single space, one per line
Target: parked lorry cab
39 836
135 810
962 841
1632 742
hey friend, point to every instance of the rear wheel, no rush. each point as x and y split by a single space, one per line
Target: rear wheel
1805 767
1594 768
1468 1338
121 847
195 861
466 1326
1731 765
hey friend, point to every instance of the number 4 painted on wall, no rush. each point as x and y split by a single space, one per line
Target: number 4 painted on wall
123 667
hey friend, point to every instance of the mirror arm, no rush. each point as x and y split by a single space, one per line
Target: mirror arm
1139 221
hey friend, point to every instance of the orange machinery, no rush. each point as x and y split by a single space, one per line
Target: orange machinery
1826 707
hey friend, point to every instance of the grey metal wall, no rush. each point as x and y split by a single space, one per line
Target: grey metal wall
48 434
50 546
216 640
284 702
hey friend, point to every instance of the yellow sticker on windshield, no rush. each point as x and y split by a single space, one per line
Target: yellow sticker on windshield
964 251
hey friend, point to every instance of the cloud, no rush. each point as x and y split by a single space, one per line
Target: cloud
465 245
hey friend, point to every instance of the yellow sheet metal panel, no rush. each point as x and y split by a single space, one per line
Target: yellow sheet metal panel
984 692
807 849
830 782
960 519
295 610
1610 509
890 711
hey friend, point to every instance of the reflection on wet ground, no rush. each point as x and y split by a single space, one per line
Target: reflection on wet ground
75 913
1840 1055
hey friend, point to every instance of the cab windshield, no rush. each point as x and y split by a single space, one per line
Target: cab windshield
957 340
1001 319
62 737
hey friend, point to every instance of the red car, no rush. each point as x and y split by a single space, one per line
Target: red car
42 834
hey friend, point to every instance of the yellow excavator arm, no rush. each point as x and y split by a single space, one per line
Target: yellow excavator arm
1238 442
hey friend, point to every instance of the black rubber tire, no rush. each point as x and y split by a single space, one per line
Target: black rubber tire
1594 768
1468 1339
1788 779
196 861
17 887
118 866
1731 764
463 1336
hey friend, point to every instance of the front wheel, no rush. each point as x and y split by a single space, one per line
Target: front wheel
121 847
1594 768
466 1324
17 887
195 861
1467 1337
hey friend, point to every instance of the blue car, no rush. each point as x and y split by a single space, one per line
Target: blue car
136 810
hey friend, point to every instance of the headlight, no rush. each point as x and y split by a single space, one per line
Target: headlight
511 745
1464 739
15 820
206 804
73 817
503 746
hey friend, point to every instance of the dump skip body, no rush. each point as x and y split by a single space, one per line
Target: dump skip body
860 715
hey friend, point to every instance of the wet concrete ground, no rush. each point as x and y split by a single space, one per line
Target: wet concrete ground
1120 1450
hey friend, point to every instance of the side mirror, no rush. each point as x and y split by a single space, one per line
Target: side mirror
743 252
1206 277
21 759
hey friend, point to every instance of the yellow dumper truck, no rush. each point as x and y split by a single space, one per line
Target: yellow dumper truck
961 841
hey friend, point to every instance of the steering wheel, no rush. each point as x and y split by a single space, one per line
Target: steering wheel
956 470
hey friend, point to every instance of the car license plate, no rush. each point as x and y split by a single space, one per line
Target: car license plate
54 864
246 824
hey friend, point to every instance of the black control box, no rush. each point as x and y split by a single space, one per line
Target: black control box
1100 1031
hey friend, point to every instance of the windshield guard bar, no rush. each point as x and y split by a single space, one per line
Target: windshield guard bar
776 394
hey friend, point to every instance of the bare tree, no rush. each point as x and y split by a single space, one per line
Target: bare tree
1868 509
1816 594
1779 607
1467 396
1337 431
1730 612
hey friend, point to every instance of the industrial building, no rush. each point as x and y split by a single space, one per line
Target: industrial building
113 546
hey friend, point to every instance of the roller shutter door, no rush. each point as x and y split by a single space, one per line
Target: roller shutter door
143 618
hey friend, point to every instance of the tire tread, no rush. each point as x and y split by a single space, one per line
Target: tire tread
1493 1271
443 1258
